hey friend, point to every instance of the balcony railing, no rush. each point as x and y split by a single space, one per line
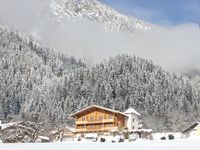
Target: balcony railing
95 121
96 129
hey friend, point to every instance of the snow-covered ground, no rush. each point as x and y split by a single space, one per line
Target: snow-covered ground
157 136
183 144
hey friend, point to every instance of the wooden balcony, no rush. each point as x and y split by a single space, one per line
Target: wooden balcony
95 121
102 129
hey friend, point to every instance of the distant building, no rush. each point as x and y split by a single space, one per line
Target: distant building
144 133
192 131
132 122
60 134
100 119
5 126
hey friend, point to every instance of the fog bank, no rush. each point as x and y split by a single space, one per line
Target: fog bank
170 47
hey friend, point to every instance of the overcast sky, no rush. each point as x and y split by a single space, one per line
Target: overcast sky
164 12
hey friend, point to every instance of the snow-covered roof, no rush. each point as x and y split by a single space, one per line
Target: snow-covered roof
54 132
114 130
43 137
91 135
143 130
70 129
100 107
193 126
59 130
132 111
7 125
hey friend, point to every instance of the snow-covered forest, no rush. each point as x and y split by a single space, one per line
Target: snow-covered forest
39 84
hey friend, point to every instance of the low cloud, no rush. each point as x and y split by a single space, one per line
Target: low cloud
170 47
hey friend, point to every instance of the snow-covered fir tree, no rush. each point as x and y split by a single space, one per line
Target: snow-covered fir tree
40 84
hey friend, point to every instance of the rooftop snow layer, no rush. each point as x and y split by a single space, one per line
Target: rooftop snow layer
132 111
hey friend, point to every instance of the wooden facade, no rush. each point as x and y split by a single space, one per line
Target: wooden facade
98 119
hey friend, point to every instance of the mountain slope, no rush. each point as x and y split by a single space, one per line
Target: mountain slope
25 68
93 10
38 84
163 98
52 22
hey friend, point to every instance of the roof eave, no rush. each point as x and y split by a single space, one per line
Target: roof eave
95 106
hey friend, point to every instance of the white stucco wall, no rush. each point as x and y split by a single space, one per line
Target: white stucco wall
132 121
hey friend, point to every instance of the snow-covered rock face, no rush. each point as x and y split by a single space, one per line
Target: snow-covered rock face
95 11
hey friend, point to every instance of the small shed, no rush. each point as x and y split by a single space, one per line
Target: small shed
56 135
59 134
69 131
144 133
192 131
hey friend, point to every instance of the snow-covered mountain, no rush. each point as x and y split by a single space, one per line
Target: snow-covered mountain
94 10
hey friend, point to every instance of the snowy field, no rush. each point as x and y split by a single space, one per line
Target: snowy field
182 144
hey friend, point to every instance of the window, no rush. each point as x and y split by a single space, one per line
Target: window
100 118
91 118
110 117
83 118
91 126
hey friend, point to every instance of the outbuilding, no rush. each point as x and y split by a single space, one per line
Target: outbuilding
192 131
